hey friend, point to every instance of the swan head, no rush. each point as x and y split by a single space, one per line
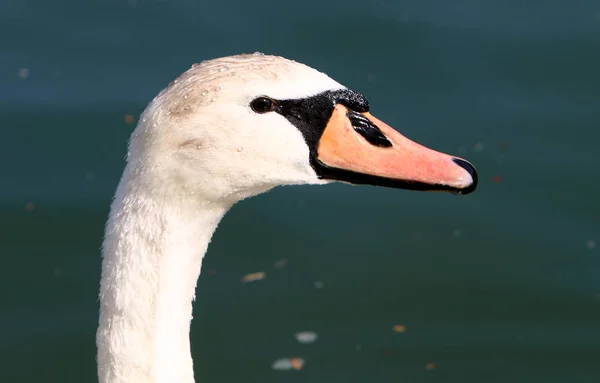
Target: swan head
237 126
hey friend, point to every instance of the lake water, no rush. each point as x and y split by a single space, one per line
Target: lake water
502 285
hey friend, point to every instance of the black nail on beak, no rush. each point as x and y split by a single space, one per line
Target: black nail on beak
471 169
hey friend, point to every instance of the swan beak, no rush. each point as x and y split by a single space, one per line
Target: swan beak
361 149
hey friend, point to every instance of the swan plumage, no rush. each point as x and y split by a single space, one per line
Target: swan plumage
225 130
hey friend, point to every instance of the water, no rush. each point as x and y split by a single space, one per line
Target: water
499 286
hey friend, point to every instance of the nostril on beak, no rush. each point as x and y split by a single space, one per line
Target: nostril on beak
471 170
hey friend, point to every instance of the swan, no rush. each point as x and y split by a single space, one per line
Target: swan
225 130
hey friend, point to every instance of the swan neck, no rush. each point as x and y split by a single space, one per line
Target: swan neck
152 256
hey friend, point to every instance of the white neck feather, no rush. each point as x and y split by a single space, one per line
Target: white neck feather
152 256
198 149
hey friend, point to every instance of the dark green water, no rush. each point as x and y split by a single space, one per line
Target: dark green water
499 286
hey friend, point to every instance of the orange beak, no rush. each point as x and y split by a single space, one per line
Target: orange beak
360 149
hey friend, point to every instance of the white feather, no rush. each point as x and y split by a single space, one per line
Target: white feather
196 151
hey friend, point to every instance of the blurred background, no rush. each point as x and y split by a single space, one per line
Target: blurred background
499 286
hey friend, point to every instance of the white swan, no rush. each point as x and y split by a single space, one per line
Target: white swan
225 130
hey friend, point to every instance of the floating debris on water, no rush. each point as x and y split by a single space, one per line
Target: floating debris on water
29 207
430 366
23 72
254 277
211 272
306 336
358 347
478 147
129 119
286 364
456 233
280 264
497 179
319 284
399 328
56 272
590 244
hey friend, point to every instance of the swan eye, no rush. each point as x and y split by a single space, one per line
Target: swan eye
262 105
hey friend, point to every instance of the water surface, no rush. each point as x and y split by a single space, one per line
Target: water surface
498 286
